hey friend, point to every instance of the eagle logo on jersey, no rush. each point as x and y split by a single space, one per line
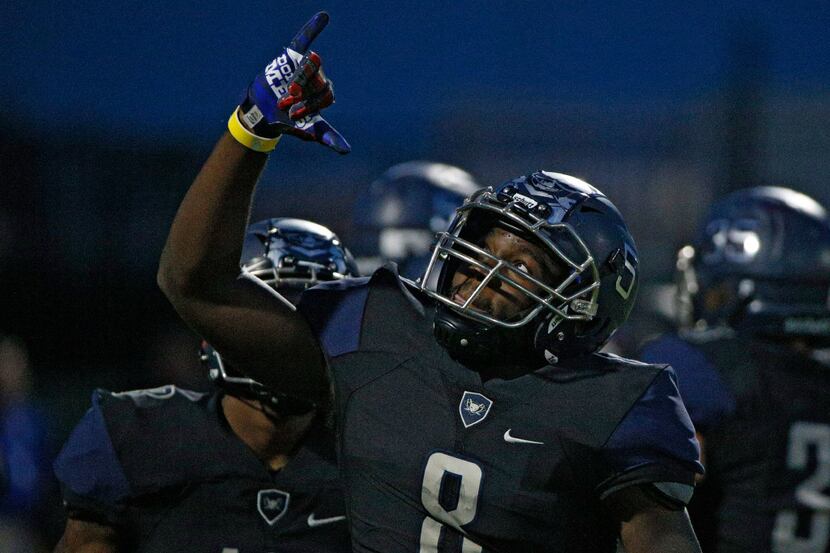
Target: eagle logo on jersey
473 408
272 505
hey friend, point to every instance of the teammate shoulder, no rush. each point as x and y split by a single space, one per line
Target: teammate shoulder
130 416
149 415
181 428
88 466
688 351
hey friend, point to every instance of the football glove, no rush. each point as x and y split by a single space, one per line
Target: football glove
287 96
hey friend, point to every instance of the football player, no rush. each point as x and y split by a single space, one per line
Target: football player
400 212
753 308
473 412
242 469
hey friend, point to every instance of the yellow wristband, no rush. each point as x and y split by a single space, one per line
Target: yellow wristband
249 139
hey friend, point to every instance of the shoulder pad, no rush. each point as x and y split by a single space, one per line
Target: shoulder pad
88 466
181 428
656 432
596 391
334 310
707 395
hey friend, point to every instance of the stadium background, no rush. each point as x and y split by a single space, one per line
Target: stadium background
108 109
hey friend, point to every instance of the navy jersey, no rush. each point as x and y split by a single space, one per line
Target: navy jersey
434 459
165 469
764 412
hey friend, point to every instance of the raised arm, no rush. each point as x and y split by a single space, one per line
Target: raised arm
199 267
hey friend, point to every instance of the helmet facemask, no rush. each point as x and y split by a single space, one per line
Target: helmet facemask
292 276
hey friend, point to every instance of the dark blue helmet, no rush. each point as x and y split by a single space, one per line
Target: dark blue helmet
289 255
403 209
580 230
760 263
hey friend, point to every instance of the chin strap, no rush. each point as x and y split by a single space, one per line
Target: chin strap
482 347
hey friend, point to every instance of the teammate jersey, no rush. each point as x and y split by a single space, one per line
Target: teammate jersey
764 412
435 460
164 467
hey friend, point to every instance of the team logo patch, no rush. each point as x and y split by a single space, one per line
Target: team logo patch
272 504
473 408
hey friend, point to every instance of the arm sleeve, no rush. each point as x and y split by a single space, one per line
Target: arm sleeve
335 312
653 444
707 398
91 477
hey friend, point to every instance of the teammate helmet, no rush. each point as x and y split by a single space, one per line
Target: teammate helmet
288 255
760 263
575 311
404 208
291 255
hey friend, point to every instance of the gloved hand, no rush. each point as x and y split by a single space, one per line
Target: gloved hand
287 96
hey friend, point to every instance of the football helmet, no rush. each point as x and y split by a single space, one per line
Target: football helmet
400 212
574 311
289 255
760 263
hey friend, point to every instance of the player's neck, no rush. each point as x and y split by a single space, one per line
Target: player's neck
272 440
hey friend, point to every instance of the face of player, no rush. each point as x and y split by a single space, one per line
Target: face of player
499 299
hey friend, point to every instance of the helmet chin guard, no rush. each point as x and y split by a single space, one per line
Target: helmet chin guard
482 346
580 231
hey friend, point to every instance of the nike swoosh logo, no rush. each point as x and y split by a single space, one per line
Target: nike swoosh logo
512 440
314 522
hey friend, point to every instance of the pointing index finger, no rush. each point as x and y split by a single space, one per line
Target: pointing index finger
309 32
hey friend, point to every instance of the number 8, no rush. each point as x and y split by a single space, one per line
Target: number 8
439 465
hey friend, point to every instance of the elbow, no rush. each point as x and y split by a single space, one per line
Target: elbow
164 280
172 282
167 282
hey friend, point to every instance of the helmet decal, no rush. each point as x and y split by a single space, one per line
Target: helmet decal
629 266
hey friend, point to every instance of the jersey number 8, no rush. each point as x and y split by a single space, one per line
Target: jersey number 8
442 470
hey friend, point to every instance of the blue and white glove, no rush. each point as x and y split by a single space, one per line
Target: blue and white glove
288 95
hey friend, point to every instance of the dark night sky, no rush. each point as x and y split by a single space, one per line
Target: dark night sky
165 69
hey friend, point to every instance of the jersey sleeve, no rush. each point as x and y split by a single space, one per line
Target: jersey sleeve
92 479
654 444
704 393
334 310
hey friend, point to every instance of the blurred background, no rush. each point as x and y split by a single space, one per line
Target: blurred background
107 110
